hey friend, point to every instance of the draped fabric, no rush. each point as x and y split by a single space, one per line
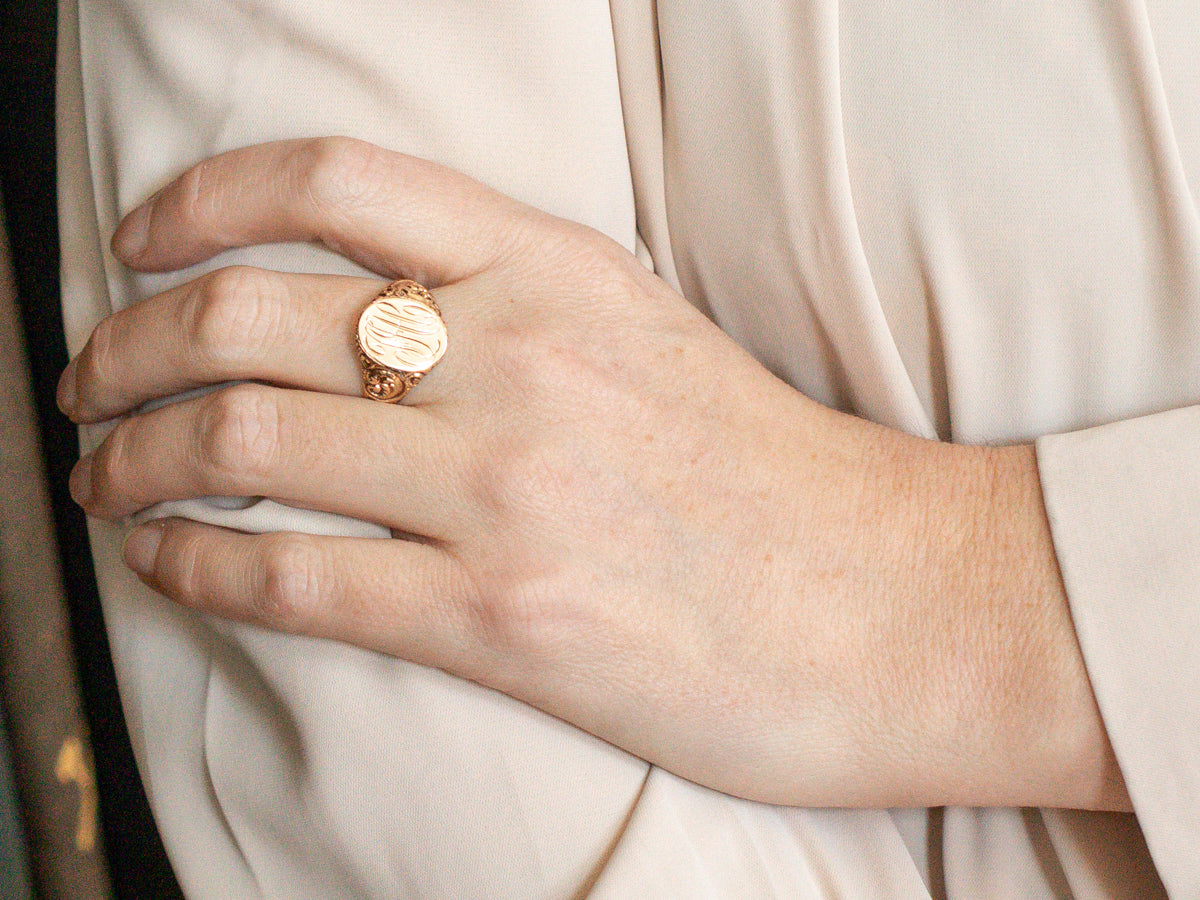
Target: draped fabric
971 223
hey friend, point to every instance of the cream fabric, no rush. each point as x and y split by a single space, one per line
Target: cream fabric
971 222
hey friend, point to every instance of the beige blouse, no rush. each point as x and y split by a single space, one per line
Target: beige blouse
970 221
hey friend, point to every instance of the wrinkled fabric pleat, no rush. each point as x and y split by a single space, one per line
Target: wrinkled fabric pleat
971 224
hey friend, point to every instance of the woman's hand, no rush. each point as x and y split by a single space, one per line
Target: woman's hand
601 505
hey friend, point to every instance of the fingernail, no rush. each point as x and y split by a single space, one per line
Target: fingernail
67 398
132 234
141 547
81 482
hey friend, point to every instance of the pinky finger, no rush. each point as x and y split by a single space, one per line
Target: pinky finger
398 597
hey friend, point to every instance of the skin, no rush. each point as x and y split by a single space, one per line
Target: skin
600 504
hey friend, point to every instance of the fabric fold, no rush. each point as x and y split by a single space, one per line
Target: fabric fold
1116 496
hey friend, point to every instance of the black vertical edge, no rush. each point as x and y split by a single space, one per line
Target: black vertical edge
136 857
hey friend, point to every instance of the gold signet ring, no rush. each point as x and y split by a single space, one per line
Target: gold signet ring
401 336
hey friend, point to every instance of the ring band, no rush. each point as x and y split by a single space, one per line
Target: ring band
401 336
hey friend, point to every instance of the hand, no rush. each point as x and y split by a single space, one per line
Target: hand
600 504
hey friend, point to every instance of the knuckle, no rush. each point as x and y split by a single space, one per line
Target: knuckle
503 620
549 349
548 366
233 314
96 362
523 479
181 565
529 348
599 265
525 623
110 463
193 194
292 581
238 436
536 473
336 172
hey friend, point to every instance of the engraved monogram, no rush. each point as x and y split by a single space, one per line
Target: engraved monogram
402 333
401 336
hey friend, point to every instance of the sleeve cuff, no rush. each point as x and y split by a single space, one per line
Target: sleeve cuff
1124 507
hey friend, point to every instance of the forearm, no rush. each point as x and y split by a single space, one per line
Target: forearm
922 594
1045 723
994 706
1028 731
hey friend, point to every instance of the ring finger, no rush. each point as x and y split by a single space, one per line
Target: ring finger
238 323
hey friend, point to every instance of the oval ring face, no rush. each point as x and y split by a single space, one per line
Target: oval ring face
402 333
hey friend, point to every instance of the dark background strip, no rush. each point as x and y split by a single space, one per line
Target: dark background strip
137 862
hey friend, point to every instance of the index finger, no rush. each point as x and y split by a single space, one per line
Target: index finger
396 215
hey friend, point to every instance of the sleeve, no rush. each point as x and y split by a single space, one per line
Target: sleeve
1124 505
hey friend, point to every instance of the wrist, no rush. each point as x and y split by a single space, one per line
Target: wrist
1036 735
977 685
